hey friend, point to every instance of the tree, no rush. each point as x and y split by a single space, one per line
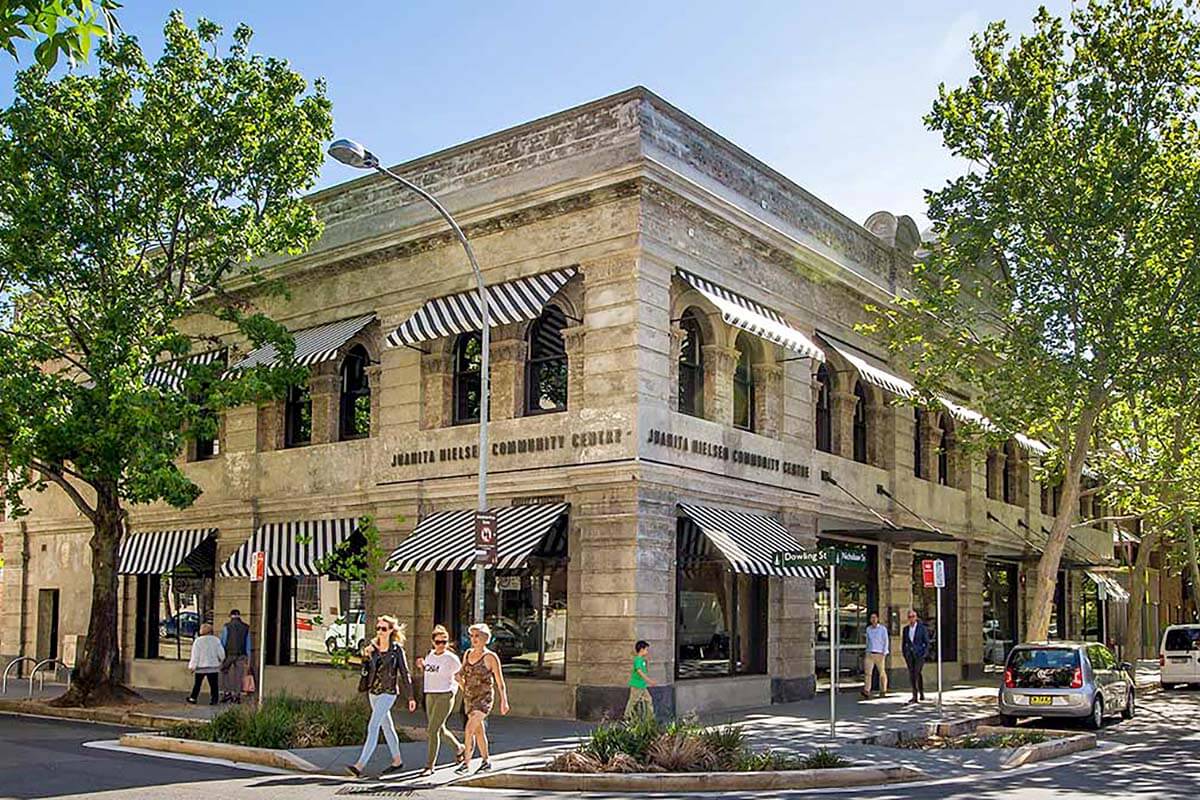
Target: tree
1064 272
63 27
133 204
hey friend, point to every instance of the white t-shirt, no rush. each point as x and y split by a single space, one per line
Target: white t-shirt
440 671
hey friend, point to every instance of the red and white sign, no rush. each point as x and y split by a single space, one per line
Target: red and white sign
927 573
258 566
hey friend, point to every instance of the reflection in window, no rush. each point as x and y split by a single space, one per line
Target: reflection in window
999 612
171 607
859 431
925 603
314 619
918 443
297 417
743 387
691 366
824 411
857 597
355 396
527 612
468 359
546 367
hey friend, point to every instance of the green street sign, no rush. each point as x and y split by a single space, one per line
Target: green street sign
851 558
843 557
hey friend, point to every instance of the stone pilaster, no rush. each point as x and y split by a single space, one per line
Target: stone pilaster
790 626
12 546
881 435
719 363
971 576
897 569
995 476
677 337
325 387
437 388
375 382
768 399
270 427
574 341
239 593
932 444
508 354
843 421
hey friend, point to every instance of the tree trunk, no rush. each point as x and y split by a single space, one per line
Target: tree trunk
1047 571
95 679
1193 564
1137 597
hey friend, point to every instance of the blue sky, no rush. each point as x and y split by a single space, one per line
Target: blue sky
830 94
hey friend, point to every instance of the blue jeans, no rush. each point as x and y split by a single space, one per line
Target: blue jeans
381 717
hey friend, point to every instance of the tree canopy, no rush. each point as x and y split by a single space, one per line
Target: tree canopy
60 27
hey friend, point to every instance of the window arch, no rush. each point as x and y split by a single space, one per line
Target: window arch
824 411
918 443
943 456
355 405
691 365
546 366
743 386
468 360
859 428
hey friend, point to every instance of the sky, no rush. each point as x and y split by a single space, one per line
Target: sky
830 94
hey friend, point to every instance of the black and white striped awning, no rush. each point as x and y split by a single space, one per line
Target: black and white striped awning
875 375
742 312
748 542
292 548
169 375
313 345
446 540
1113 590
159 552
515 301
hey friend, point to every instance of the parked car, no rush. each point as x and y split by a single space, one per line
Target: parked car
1066 679
1179 656
186 623
347 632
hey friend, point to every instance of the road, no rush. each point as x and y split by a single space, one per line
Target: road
1156 755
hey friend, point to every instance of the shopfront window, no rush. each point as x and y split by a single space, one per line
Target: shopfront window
314 619
925 603
171 607
999 612
858 598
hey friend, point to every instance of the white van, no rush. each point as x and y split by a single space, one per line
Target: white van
1179 656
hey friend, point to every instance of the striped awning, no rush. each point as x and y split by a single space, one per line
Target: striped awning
747 541
292 548
169 375
742 312
515 301
1113 590
964 414
874 375
159 552
313 345
446 540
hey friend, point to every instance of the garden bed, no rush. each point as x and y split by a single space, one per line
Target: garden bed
984 738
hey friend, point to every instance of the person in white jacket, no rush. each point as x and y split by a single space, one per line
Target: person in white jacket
207 656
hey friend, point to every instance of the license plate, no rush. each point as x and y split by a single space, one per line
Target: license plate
1183 660
1041 700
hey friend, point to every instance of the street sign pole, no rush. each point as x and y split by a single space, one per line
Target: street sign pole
833 649
939 648
260 574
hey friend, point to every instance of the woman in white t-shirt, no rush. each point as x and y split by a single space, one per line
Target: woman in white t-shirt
439 668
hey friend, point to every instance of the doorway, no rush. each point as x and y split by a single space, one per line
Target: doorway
47 624
999 612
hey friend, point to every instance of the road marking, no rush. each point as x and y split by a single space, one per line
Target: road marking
116 747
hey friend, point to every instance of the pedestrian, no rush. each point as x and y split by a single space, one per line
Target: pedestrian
440 667
640 702
915 646
235 638
480 678
205 662
385 675
878 647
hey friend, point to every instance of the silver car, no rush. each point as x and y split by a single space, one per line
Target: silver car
1066 679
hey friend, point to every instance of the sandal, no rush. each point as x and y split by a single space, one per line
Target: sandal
484 767
463 769
460 755
354 770
425 773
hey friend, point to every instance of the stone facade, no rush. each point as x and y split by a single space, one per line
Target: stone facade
626 190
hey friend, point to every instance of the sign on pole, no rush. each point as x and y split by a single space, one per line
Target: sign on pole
258 574
939 573
485 538
927 573
939 582
833 648
258 566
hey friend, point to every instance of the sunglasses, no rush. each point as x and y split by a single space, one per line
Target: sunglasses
383 627
441 641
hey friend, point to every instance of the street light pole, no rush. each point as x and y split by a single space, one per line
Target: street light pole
354 154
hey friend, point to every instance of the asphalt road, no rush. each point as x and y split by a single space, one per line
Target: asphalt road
1157 755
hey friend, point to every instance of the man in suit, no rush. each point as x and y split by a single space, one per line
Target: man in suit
915 646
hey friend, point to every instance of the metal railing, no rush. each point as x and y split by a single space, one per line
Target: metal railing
8 669
42 681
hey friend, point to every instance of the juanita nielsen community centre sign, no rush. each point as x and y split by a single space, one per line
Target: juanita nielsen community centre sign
523 446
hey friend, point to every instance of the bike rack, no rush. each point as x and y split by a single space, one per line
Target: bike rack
8 669
42 682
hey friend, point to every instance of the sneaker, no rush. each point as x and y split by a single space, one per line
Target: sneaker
484 767
354 771
393 769
463 768
191 701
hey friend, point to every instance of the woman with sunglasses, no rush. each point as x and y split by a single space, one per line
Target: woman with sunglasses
480 677
385 670
441 667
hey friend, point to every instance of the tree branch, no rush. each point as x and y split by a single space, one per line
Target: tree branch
55 475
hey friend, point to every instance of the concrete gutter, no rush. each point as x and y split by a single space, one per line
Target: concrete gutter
1043 751
108 716
263 757
650 782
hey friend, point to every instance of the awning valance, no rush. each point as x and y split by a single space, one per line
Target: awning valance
446 540
313 345
514 301
877 376
1113 590
159 552
748 542
742 312
964 414
292 548
169 375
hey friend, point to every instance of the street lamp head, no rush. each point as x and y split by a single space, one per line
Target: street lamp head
353 154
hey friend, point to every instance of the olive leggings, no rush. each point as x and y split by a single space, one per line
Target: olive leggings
438 706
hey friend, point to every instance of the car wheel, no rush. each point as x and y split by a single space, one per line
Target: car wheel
1008 721
1128 710
330 645
1096 719
1166 687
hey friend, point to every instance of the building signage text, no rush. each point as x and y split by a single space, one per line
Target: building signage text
510 447
721 452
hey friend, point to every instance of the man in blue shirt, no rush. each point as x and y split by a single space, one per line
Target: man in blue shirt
878 647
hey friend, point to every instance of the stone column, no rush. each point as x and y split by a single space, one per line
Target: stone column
900 599
971 575
239 593
995 476
768 399
270 428
574 340
719 363
12 547
933 443
843 422
375 382
881 435
437 388
325 388
677 337
790 625
509 351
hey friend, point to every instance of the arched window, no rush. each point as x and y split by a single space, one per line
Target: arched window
743 386
355 416
546 367
1011 476
991 479
468 357
860 423
297 417
824 411
918 443
943 456
691 365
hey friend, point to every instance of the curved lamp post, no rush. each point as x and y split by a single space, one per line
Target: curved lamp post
353 154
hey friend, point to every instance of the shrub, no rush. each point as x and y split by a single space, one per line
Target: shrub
823 759
633 738
767 761
285 722
681 752
728 744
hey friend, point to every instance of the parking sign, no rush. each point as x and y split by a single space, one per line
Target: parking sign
939 573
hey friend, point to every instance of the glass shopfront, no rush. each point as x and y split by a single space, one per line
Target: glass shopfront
858 598
999 612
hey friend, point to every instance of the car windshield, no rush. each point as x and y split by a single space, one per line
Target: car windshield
1182 639
1044 668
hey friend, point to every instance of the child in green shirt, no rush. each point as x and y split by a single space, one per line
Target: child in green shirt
640 703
